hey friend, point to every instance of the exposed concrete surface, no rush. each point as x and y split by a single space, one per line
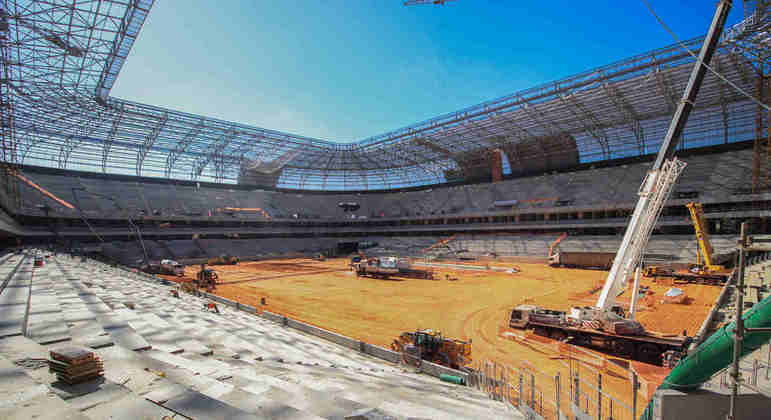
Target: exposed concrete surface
203 365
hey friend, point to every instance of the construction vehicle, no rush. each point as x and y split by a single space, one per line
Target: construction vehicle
600 260
379 268
223 259
555 244
600 324
623 337
705 271
386 267
439 244
206 278
165 267
429 345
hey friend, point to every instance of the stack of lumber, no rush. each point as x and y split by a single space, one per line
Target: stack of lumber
74 365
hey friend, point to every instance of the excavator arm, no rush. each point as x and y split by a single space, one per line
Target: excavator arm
556 242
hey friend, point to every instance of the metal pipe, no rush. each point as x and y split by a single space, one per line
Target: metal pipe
739 330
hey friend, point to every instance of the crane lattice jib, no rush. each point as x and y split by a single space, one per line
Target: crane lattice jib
702 233
657 185
654 192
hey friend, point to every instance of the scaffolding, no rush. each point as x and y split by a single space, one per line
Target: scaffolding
64 56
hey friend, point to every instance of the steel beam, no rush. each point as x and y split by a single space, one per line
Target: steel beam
628 114
206 157
149 141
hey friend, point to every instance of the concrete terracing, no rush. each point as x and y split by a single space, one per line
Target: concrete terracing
164 355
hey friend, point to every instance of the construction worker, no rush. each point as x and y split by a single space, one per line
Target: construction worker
211 306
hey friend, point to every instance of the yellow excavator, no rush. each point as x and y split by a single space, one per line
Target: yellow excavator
429 345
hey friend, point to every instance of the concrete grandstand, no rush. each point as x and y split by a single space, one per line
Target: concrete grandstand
118 181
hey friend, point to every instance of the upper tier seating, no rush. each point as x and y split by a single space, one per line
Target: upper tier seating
714 177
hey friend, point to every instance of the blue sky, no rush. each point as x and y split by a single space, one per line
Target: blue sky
349 69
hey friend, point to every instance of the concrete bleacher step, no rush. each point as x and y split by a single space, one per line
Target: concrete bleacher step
97 399
116 324
252 392
166 336
22 397
194 404
45 320
388 391
237 339
14 298
199 382
269 389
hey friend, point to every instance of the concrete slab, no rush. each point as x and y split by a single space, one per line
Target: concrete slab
205 367
16 386
360 381
126 337
265 408
12 319
42 407
197 405
315 402
166 393
48 332
130 407
89 394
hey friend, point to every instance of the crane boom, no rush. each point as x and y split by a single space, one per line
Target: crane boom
702 236
661 177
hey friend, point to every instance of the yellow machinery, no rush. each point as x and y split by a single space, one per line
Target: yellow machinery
705 271
429 345
704 256
223 260
206 279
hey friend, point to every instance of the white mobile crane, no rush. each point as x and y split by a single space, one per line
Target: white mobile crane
604 324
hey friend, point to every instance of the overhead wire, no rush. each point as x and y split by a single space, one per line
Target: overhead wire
723 78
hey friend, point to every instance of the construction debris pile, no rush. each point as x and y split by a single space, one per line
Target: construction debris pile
74 365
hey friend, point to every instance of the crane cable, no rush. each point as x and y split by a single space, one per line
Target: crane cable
661 22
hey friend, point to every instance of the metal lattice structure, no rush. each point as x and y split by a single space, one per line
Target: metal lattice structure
60 59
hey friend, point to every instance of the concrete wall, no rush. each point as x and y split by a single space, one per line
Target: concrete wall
706 404
322 333
270 316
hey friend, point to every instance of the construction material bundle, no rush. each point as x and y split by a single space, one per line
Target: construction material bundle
74 365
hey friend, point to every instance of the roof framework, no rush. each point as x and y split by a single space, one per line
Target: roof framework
60 59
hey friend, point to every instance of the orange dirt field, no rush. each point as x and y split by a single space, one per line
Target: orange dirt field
475 306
